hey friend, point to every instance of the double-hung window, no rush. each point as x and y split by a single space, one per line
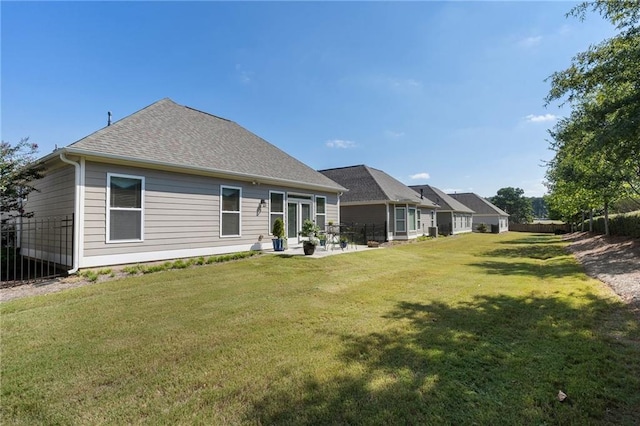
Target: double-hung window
230 214
401 220
419 219
125 200
321 212
412 219
276 207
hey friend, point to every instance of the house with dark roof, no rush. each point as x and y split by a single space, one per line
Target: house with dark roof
484 211
170 181
376 198
453 217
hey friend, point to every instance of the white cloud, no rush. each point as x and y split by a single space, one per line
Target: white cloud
534 188
530 41
339 143
420 176
403 84
564 30
399 86
541 118
244 75
393 135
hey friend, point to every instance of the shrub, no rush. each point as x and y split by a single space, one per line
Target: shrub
625 224
482 227
278 228
132 270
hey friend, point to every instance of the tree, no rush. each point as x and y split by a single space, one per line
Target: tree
581 178
539 206
18 170
597 147
603 87
513 201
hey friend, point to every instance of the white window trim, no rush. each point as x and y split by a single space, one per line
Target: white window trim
415 215
403 219
239 212
284 209
109 208
315 207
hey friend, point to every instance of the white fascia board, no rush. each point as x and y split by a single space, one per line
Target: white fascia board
158 165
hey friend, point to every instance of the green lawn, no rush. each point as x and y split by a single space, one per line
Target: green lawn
472 329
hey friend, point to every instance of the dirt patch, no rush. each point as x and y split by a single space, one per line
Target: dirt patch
48 286
613 260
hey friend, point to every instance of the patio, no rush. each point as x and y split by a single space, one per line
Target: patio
321 251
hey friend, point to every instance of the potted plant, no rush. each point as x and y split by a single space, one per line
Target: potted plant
332 229
309 230
278 234
323 240
343 242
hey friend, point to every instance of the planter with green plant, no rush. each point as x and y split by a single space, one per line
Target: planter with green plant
310 230
278 235
343 242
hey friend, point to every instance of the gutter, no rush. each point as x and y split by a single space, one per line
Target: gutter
219 173
76 215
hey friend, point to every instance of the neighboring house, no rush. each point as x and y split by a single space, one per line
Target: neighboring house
376 198
170 181
485 212
453 217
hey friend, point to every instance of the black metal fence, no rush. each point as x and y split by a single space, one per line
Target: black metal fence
34 249
361 233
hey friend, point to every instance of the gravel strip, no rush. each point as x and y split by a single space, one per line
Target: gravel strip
613 260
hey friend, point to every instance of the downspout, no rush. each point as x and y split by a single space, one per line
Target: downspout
76 215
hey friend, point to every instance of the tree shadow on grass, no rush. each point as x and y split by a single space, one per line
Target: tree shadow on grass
554 268
540 258
534 239
531 251
495 360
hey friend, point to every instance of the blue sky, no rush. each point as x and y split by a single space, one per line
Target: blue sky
445 93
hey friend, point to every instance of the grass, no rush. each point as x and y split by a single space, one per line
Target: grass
180 263
471 329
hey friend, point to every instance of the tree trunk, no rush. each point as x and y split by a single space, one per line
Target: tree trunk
582 223
606 218
590 220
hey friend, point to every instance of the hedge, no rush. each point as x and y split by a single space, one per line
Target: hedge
626 224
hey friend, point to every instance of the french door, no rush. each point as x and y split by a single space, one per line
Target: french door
297 212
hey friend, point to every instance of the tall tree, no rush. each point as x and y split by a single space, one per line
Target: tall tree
603 87
18 171
513 201
598 146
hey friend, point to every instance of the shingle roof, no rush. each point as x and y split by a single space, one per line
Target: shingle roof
446 202
174 135
366 184
478 204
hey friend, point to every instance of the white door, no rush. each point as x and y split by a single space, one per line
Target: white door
297 212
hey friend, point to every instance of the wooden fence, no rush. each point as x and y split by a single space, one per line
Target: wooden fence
542 228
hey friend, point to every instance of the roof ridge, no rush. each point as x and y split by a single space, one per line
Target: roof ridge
368 169
118 122
207 113
343 167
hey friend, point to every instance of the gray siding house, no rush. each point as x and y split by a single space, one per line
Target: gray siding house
169 182
374 197
484 211
453 217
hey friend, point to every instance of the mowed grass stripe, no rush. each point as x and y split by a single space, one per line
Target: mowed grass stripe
476 328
